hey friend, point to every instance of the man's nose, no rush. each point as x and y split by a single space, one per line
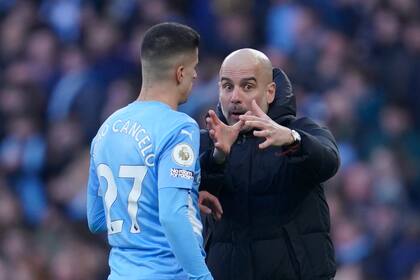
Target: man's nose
236 95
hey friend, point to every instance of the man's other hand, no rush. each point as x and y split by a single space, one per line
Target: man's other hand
209 204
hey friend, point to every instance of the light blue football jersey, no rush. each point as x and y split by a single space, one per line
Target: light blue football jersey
138 149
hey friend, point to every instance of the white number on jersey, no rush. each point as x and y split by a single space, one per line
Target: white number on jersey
125 171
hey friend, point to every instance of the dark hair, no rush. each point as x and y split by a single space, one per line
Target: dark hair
166 40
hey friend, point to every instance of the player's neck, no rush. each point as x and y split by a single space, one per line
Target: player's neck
160 93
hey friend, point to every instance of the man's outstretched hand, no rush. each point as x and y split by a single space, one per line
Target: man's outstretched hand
274 133
223 135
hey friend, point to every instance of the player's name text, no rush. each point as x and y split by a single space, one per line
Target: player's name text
140 135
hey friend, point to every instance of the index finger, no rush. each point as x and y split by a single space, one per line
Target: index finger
257 110
214 117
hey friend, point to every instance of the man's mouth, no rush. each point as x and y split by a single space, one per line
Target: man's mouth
235 114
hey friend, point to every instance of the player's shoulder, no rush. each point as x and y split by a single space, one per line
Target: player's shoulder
177 120
185 119
179 127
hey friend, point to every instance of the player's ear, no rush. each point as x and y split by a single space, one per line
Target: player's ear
179 74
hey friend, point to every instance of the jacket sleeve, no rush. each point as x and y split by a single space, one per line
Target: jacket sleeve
317 156
212 174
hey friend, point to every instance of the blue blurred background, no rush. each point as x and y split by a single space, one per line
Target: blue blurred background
65 65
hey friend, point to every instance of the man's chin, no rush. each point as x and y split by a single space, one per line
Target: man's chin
233 119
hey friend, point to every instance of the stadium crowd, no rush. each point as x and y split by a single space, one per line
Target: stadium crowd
66 65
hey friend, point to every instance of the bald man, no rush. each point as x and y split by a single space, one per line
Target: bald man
267 168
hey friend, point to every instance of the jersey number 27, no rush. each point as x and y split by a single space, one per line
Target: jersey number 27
137 172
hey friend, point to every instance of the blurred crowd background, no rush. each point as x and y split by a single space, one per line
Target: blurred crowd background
65 65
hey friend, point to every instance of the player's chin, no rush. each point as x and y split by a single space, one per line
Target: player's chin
184 99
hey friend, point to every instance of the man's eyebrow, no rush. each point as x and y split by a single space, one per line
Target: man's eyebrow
249 79
225 79
242 80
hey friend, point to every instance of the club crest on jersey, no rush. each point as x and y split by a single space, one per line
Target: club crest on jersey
183 154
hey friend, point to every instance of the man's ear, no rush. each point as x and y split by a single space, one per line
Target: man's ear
271 92
179 74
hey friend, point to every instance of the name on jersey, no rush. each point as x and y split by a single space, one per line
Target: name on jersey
140 135
182 173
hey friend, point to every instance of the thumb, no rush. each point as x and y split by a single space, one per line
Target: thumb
237 126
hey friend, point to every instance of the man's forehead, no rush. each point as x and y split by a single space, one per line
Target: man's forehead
246 63
233 73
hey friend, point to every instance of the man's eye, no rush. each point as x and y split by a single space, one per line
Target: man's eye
249 86
227 86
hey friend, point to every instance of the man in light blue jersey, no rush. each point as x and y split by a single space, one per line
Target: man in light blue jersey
144 172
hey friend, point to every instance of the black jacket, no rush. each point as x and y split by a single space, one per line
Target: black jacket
276 220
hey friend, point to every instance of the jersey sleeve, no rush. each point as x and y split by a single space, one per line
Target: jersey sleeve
95 208
178 157
173 215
